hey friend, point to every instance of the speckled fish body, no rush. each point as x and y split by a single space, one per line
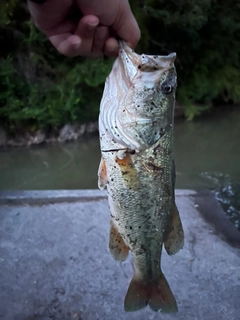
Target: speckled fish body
137 167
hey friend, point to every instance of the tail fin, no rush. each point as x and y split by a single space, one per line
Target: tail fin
156 293
162 298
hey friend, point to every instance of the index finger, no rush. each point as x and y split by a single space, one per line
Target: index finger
127 28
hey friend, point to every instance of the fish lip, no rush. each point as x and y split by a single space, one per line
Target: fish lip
129 59
148 61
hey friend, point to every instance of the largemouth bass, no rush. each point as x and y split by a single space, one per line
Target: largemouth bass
137 167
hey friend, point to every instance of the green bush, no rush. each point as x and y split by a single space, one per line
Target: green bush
41 88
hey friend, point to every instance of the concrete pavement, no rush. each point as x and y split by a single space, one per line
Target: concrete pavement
55 263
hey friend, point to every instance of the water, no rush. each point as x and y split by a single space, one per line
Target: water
64 166
207 156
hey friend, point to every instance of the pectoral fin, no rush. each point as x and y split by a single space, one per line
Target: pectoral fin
175 237
102 175
117 246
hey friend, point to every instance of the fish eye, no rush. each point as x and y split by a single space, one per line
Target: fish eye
167 88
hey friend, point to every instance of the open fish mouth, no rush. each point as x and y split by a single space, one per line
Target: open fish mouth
145 63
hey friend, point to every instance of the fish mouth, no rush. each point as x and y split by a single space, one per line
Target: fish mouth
145 63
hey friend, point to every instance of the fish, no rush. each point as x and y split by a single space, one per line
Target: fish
137 168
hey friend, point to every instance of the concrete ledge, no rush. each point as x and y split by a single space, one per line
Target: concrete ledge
205 202
38 197
55 262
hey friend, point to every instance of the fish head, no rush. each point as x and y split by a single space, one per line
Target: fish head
150 100
138 101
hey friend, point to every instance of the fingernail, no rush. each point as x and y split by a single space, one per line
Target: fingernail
76 43
111 48
92 24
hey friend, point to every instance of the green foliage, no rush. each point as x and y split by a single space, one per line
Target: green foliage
6 11
72 94
41 88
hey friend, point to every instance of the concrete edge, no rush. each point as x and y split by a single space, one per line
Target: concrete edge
37 197
185 192
41 197
204 202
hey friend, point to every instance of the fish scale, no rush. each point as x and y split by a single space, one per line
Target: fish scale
137 167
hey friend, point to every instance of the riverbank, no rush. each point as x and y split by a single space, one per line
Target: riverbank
69 132
55 261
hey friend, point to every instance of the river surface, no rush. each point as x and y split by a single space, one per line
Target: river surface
207 156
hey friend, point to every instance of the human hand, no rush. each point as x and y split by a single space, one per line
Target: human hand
86 27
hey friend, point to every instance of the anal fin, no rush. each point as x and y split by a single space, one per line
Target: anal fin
117 246
174 239
102 175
